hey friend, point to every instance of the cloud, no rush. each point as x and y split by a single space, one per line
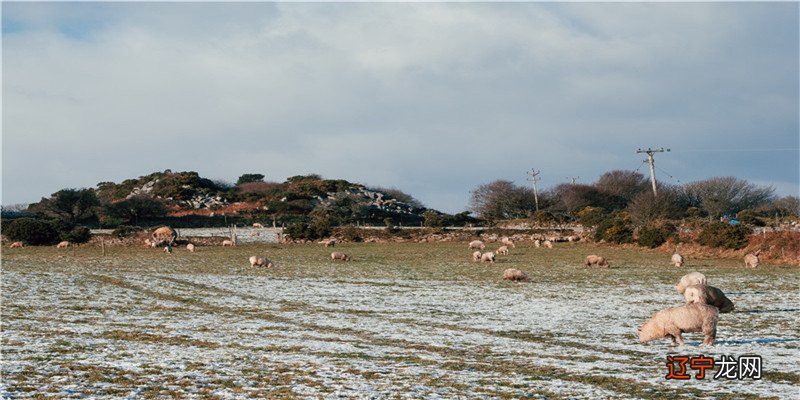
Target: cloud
432 98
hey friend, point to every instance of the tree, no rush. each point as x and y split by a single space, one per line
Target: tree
135 208
502 199
71 205
647 208
247 178
726 195
433 219
31 231
571 198
622 183
787 206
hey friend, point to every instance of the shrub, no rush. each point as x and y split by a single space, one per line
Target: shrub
652 237
31 231
432 219
349 233
616 229
720 234
750 218
78 234
589 216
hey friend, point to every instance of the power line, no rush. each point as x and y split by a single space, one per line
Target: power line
739 150
650 153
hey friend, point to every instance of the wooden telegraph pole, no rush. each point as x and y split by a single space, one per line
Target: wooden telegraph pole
534 178
650 153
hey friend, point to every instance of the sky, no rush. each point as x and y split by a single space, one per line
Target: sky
432 98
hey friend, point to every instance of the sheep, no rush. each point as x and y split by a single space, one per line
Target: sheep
513 274
260 262
330 243
476 256
508 242
672 322
677 260
337 256
163 234
230 243
751 260
62 245
190 247
692 278
595 260
487 257
16 245
257 225
548 244
710 295
503 251
537 243
168 249
476 244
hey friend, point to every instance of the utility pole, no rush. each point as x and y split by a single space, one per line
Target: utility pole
650 153
574 179
534 178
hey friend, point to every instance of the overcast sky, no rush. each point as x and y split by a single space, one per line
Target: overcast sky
433 99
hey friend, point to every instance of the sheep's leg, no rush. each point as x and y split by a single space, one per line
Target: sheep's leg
680 339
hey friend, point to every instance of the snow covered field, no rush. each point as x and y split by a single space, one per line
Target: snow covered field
400 321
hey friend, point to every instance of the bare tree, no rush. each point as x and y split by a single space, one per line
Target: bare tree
721 195
622 183
647 208
502 199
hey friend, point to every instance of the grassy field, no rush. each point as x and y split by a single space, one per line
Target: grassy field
399 321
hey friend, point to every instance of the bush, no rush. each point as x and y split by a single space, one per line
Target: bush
750 218
349 233
653 237
78 234
720 234
126 230
432 219
31 231
615 230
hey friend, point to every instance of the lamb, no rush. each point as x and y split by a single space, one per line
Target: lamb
548 244
487 257
62 245
337 256
503 251
677 260
508 242
595 260
228 243
672 322
751 260
710 295
190 247
16 245
476 244
513 274
692 278
476 256
260 262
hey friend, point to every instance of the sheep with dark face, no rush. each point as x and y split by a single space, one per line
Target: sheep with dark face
710 295
260 262
476 255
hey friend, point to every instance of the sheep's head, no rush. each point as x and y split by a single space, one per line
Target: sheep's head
650 331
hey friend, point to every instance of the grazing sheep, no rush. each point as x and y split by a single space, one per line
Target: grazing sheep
164 234
710 295
537 243
476 256
672 322
337 256
476 244
503 251
487 257
508 242
190 247
148 243
62 245
692 278
16 245
330 243
548 244
595 260
257 225
228 243
751 260
513 274
260 262
677 260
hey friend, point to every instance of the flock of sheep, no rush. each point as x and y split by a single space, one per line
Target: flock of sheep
700 313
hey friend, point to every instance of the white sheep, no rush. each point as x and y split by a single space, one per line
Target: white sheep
16 245
487 257
751 260
537 243
476 244
260 262
677 260
508 242
337 256
503 251
330 243
190 247
513 274
257 225
476 256
692 278
227 242
62 245
548 244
